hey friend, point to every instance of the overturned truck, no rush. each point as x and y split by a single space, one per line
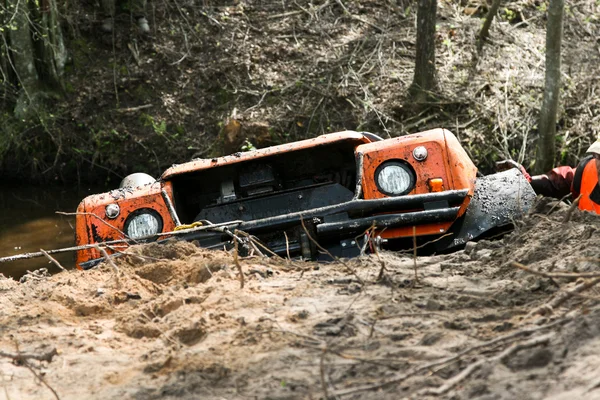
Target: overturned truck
338 194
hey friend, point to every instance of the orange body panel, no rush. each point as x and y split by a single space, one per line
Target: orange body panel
93 226
200 164
446 160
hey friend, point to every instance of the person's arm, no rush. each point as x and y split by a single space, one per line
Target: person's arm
555 183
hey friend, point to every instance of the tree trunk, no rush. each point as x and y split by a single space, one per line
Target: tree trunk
23 56
33 48
547 126
424 82
52 48
485 29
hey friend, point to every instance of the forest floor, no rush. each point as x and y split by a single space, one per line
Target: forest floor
287 70
172 322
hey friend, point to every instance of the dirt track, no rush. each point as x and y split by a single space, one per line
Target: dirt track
174 323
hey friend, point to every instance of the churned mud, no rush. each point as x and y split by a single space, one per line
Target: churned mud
172 322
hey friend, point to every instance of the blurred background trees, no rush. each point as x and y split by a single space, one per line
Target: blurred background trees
285 71
32 55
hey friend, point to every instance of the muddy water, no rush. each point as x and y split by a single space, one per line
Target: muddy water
28 222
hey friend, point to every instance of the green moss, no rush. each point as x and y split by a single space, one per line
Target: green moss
81 52
223 96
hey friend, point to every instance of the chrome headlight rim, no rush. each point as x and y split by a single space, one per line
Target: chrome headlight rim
132 216
406 167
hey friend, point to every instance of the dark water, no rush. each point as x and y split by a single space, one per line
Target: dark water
28 222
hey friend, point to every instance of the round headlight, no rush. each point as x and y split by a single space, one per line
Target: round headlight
394 178
143 223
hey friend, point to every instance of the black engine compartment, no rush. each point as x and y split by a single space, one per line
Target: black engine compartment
269 185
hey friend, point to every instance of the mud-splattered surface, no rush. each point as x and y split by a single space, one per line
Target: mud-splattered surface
173 323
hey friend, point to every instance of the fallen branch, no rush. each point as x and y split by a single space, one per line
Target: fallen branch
20 357
465 373
134 109
23 358
448 360
565 197
357 18
562 297
41 379
322 373
286 14
555 274
409 315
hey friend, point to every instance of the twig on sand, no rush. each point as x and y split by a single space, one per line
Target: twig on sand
348 267
23 358
465 373
569 213
110 262
565 197
410 315
448 360
555 274
322 372
287 245
562 296
415 254
20 357
52 259
41 379
237 262
107 258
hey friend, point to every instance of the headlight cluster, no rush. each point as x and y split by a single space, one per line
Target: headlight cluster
395 178
143 223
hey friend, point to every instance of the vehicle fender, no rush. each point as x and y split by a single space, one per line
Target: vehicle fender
497 201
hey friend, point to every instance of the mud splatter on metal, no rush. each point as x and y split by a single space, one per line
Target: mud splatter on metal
498 200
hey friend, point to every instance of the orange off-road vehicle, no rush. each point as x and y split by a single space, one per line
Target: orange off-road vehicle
345 192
